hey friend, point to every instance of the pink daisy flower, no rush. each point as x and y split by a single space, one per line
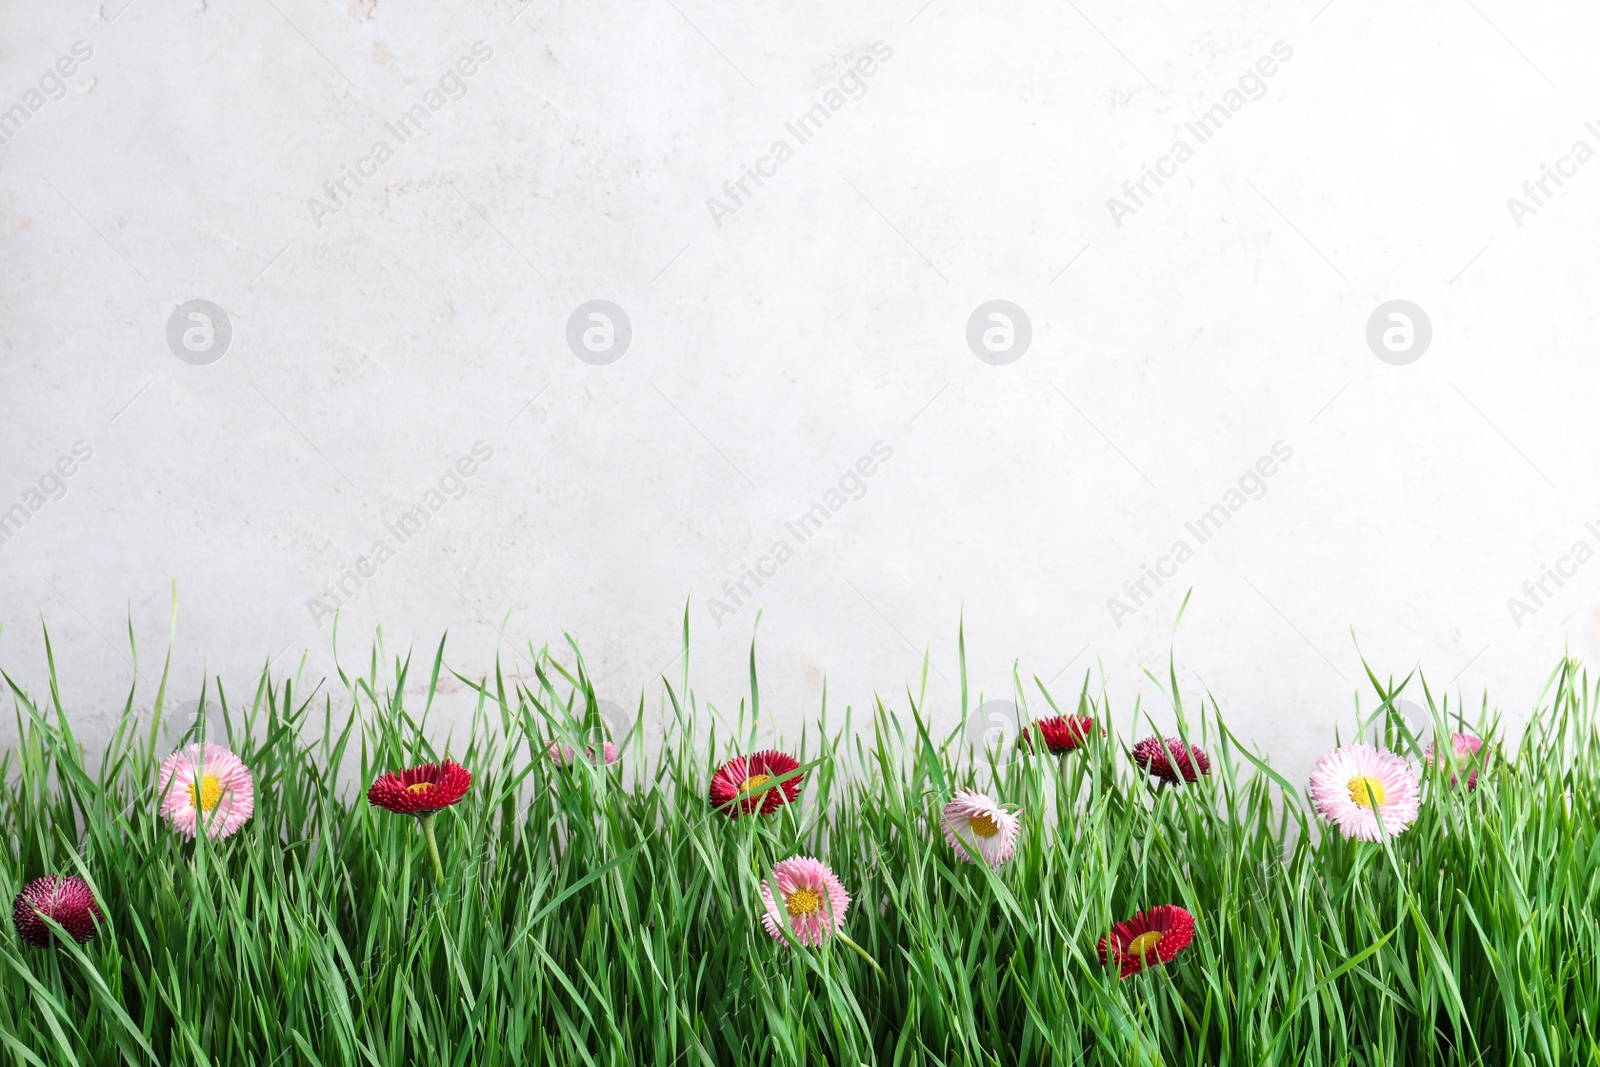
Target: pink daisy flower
810 899
206 786
988 828
563 754
1357 785
1464 755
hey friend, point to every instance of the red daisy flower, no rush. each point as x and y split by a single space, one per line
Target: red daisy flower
1149 939
66 900
746 777
1170 759
1062 733
421 790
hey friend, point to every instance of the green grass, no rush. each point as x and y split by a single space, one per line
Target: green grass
609 917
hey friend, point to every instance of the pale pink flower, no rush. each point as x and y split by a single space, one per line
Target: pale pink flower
1465 754
206 786
1354 786
984 825
810 899
563 754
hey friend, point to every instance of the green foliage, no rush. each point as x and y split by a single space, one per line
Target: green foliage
596 915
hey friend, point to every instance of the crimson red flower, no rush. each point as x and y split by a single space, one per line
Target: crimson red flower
421 790
1170 758
1062 733
66 900
740 786
1149 939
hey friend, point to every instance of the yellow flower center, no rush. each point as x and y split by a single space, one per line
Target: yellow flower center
754 782
1144 944
210 793
420 787
803 901
983 825
1358 791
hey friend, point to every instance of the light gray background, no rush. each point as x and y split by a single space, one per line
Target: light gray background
769 352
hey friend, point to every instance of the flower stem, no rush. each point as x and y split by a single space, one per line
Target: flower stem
433 848
863 954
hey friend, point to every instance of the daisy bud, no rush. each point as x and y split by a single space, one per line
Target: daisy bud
66 900
1465 755
1170 760
563 754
